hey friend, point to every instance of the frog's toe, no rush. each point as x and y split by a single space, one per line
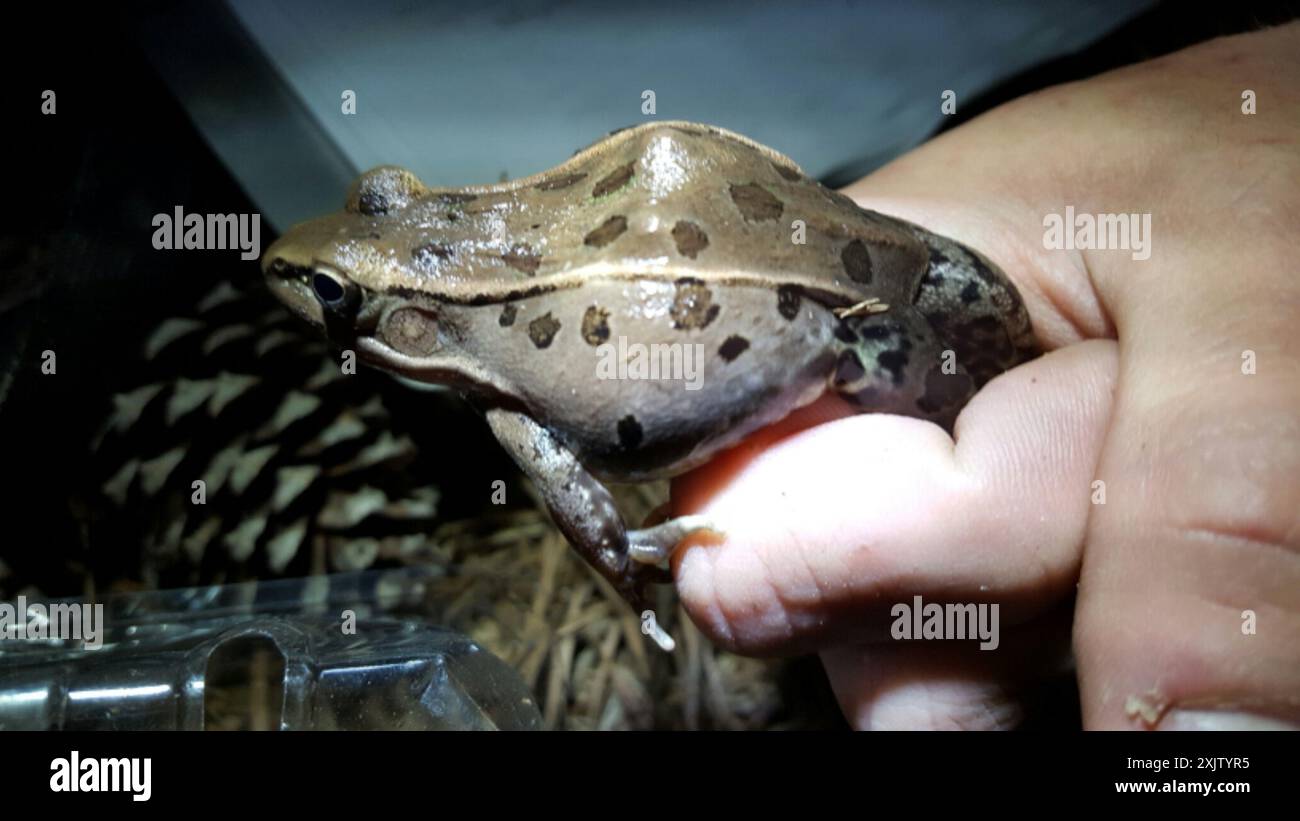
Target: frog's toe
634 586
652 545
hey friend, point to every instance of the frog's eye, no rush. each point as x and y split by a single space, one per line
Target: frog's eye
328 289
339 297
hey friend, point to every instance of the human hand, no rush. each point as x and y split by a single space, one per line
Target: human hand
1146 387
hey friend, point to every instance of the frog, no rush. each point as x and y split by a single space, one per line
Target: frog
676 236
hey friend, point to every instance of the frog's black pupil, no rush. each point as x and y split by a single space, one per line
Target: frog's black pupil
327 288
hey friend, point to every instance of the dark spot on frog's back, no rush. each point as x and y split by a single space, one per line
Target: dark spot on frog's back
630 433
372 204
563 181
857 261
522 259
971 293
609 230
756 203
543 329
690 239
733 347
595 325
427 253
508 316
693 307
787 301
614 180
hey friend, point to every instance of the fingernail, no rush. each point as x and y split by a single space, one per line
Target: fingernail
1221 720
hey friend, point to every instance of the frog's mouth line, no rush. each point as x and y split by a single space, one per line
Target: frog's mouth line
441 369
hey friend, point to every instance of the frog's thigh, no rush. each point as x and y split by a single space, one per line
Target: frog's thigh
584 509
579 503
893 362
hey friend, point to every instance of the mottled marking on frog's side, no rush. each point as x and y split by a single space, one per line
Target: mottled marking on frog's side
426 254
522 259
543 329
943 390
595 325
756 203
733 347
878 331
787 301
630 433
989 331
932 280
411 332
693 307
508 316
609 230
614 180
558 183
982 271
690 239
895 361
857 261
844 333
848 368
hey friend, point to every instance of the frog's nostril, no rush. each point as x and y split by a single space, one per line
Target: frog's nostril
327 289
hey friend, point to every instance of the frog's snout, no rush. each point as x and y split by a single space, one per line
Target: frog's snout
291 285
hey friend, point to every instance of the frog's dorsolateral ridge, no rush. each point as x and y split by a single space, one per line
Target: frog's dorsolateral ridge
662 294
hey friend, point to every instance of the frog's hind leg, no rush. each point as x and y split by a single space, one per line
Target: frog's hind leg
893 362
974 306
965 325
585 512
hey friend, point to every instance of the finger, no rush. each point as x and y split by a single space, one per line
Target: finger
1189 601
827 527
956 685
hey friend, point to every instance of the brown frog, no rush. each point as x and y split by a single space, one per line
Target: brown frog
629 313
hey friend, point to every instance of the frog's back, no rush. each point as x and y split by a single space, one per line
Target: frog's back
660 201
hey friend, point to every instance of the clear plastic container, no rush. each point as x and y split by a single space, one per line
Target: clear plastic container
313 654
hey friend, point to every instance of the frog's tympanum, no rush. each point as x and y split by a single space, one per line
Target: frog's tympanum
671 234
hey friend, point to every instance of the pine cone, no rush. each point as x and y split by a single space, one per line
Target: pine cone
299 469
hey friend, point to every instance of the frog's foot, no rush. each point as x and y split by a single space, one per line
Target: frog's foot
647 548
652 545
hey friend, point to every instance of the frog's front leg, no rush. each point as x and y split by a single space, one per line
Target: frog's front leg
585 513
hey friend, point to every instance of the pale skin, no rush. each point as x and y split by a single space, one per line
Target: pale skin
1142 388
